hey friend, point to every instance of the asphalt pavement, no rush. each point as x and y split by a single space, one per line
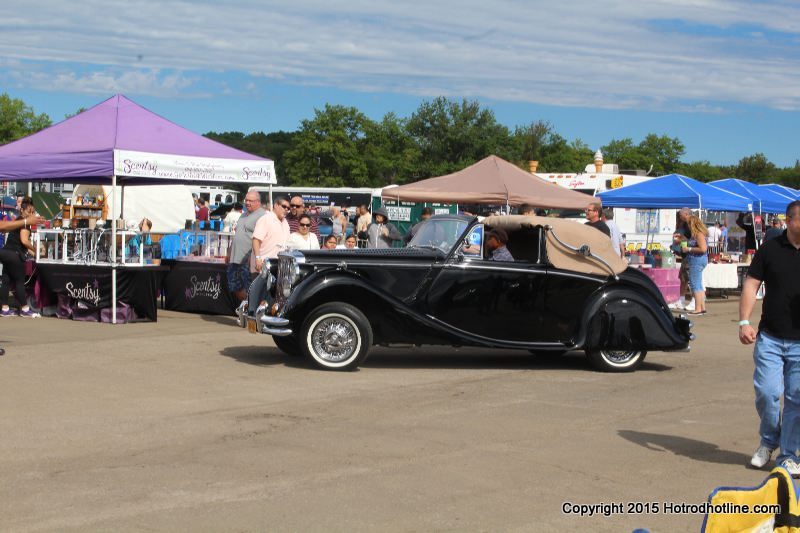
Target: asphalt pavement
192 424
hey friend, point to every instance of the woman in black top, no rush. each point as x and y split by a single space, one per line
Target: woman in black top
13 256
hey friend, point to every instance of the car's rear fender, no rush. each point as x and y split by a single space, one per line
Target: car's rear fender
620 318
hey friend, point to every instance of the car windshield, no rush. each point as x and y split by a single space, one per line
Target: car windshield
440 233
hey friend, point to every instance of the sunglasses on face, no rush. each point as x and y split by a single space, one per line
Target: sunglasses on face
285 206
296 205
305 225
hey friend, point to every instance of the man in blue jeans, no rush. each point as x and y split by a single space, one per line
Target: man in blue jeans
777 344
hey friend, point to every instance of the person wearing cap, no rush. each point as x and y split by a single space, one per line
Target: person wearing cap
381 233
496 241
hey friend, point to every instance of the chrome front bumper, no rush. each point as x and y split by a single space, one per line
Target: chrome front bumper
262 322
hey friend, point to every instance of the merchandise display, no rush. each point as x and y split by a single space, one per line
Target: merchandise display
88 246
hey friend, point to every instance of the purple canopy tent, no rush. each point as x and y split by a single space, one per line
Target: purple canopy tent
120 139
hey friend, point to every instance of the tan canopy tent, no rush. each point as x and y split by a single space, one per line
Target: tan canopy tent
490 181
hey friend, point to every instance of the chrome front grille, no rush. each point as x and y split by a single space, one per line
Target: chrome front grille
283 283
288 273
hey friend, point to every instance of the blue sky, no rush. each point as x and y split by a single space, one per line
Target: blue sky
721 75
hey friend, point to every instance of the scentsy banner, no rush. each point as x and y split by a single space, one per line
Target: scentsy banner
91 285
195 287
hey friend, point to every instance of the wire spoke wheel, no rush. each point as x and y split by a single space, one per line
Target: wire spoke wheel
616 360
336 336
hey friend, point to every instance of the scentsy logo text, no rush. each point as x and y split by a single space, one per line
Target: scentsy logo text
210 288
143 167
87 293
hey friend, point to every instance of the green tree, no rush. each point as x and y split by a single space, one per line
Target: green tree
391 154
530 141
329 149
78 112
756 168
558 155
624 154
452 135
701 170
663 152
789 176
270 145
18 120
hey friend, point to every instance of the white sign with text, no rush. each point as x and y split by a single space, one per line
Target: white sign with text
189 168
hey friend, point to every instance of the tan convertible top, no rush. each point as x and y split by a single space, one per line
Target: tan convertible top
570 233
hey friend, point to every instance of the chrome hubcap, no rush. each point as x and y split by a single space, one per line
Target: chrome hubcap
620 357
335 339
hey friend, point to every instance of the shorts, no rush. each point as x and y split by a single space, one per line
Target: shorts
697 263
238 277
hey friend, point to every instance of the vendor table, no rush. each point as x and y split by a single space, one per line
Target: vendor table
721 276
91 285
198 287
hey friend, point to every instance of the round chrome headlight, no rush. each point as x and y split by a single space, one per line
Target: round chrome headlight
265 269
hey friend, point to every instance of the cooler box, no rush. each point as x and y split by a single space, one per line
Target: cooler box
667 281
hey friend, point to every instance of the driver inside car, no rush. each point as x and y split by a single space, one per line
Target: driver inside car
496 241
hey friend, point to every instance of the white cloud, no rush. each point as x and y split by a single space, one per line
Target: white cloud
142 82
601 53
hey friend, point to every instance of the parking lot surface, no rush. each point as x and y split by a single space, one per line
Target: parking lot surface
191 423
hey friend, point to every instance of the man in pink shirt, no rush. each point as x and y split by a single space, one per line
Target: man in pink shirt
270 234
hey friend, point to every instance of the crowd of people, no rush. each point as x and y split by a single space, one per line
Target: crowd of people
260 233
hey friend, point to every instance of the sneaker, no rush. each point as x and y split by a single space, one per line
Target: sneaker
8 312
677 305
30 313
762 457
792 466
690 307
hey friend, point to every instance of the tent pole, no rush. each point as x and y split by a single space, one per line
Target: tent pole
114 248
270 197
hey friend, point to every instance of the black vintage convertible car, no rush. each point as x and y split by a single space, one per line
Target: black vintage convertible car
565 290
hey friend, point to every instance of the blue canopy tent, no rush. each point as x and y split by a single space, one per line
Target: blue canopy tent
782 189
764 200
675 191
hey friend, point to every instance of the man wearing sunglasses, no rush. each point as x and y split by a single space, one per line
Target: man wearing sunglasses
297 209
241 248
270 234
593 214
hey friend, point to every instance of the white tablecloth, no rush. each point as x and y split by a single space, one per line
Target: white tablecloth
721 276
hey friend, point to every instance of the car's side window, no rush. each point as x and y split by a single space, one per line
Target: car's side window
524 244
473 245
